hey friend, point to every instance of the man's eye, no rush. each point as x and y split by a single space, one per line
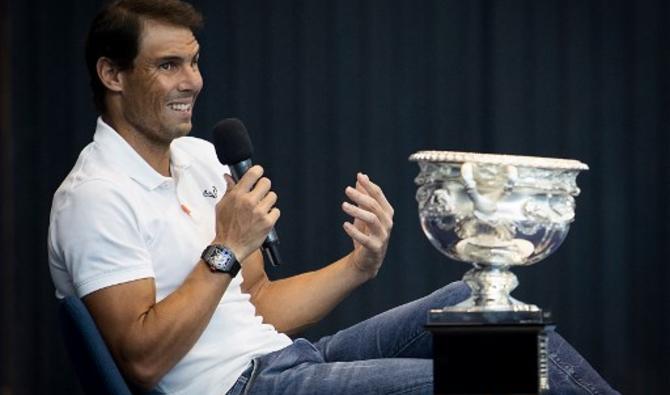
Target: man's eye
168 66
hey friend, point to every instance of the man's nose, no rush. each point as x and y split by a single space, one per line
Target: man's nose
191 79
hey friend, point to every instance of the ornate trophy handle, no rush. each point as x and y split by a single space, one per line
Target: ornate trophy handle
487 203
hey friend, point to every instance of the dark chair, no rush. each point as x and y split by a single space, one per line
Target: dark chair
93 363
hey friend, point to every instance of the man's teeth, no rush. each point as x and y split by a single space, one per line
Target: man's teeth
179 106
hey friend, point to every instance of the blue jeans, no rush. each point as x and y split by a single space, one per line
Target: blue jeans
390 354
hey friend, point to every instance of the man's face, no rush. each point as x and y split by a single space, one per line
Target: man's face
159 92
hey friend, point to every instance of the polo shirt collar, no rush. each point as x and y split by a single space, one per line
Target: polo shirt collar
116 150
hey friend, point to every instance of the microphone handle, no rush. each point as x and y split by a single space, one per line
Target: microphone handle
271 251
269 247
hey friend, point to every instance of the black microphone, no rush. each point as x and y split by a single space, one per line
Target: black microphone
234 149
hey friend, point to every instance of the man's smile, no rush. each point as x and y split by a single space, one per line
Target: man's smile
181 107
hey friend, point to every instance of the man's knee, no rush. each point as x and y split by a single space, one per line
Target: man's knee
453 293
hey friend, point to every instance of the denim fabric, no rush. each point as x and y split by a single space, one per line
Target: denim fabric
390 354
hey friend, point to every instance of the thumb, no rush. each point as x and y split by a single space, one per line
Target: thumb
230 182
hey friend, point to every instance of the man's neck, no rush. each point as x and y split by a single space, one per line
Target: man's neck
156 154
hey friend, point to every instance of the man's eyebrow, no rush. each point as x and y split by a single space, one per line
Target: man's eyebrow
170 58
177 58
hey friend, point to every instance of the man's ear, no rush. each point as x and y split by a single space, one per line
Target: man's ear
109 74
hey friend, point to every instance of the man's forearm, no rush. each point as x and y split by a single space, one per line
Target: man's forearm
297 302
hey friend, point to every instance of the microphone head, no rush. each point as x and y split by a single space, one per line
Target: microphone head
232 142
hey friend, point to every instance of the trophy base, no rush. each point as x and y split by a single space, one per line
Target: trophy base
488 352
455 317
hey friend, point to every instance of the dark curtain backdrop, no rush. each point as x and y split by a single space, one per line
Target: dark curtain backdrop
327 88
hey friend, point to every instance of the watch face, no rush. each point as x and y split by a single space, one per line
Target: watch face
222 259
219 258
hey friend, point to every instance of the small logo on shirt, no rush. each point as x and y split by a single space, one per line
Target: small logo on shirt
212 194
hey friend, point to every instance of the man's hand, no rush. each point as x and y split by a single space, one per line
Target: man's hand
246 213
308 297
371 228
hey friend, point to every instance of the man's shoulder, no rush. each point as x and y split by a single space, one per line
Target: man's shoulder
91 181
89 172
83 196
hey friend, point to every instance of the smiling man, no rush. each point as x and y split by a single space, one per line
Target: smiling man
150 102
170 268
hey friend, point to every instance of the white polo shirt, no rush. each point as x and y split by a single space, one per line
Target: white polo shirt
115 219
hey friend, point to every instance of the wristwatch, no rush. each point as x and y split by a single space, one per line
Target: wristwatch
221 259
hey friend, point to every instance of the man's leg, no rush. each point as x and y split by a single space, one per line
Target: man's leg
392 352
570 373
398 332
300 369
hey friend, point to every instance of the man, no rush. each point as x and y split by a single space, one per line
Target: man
130 222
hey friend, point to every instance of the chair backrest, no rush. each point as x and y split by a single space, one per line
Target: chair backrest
93 363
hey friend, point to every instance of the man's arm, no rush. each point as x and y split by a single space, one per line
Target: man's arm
147 338
294 303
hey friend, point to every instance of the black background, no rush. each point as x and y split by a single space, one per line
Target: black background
328 88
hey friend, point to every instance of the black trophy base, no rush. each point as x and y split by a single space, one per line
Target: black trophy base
489 353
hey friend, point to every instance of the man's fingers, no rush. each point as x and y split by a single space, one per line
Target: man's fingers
230 182
362 199
252 184
368 203
273 216
267 202
375 192
250 178
369 218
261 189
360 237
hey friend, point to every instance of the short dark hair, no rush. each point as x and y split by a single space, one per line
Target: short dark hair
115 34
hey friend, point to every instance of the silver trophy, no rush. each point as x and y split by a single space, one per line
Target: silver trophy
495 212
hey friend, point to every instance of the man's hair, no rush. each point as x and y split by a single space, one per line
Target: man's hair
116 30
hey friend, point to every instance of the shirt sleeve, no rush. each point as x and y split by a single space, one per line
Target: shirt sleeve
97 235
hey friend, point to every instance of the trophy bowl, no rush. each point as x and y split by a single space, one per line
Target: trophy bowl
495 212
